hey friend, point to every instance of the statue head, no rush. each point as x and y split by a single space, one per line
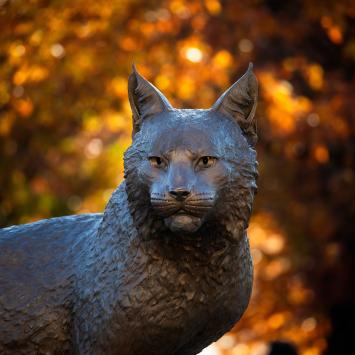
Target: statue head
190 168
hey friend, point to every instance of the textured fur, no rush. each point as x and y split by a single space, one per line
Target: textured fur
123 282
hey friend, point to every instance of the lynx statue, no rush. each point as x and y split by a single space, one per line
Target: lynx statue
166 269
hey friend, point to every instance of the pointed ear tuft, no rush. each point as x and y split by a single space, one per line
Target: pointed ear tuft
239 102
145 99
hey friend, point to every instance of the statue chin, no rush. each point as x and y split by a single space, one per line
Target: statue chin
183 223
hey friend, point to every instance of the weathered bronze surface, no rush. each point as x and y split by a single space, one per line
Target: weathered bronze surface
166 269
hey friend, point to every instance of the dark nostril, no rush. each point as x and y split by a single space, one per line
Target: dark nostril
179 194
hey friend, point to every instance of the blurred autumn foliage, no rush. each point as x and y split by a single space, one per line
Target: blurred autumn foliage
65 123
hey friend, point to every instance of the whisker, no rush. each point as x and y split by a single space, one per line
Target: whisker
198 205
165 208
202 199
163 203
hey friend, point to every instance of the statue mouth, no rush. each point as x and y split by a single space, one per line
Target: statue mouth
182 216
181 212
170 208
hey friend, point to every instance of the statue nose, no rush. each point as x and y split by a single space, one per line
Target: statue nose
180 194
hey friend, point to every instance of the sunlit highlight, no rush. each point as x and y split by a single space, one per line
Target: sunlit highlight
194 54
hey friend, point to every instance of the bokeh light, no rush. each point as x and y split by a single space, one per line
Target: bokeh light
193 54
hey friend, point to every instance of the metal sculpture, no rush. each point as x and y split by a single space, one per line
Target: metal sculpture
166 269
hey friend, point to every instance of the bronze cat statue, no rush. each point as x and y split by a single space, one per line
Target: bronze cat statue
166 269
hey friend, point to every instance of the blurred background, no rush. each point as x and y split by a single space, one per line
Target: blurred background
65 122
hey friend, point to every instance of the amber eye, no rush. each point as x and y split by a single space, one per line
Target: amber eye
206 162
156 162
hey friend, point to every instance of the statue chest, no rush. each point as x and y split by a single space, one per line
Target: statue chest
174 300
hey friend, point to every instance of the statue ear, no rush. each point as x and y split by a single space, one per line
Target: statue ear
239 102
145 99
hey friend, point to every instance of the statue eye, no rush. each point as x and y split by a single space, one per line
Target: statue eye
206 162
156 162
